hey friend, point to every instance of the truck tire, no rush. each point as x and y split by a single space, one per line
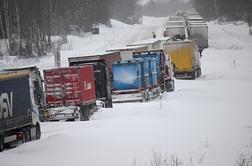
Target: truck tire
168 86
194 75
38 131
28 134
1 143
108 103
23 135
87 114
172 85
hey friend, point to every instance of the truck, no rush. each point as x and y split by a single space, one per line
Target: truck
175 26
35 74
102 64
70 93
185 57
135 80
19 115
199 32
164 68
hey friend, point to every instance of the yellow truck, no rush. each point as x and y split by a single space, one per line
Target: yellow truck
185 58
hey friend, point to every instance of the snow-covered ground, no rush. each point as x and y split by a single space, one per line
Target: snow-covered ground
207 121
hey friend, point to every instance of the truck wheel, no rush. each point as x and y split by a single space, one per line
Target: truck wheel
28 134
23 135
87 115
168 86
1 143
38 132
194 75
172 85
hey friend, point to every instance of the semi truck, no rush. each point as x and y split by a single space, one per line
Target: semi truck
185 57
19 114
199 32
102 64
70 93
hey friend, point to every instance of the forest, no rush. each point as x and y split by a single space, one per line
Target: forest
28 25
224 10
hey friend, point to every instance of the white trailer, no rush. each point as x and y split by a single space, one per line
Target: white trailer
126 53
199 32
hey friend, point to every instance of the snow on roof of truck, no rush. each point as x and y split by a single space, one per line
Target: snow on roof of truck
126 48
91 56
151 41
145 42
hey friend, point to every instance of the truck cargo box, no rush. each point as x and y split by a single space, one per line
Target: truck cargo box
101 74
185 58
69 86
107 57
199 32
16 102
128 75
164 73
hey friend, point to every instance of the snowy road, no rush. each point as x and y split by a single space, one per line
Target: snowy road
207 121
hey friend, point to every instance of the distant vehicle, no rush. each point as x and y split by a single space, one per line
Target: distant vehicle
199 32
19 115
70 93
175 26
102 64
185 58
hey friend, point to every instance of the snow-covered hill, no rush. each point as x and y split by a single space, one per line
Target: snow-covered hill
207 121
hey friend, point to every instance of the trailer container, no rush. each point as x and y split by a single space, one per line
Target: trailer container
19 115
70 93
102 77
199 32
131 82
34 73
164 72
185 58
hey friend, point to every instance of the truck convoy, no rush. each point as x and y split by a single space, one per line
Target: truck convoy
187 25
185 58
70 93
175 28
142 78
19 115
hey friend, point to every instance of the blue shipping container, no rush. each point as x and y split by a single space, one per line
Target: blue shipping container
127 75
156 54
